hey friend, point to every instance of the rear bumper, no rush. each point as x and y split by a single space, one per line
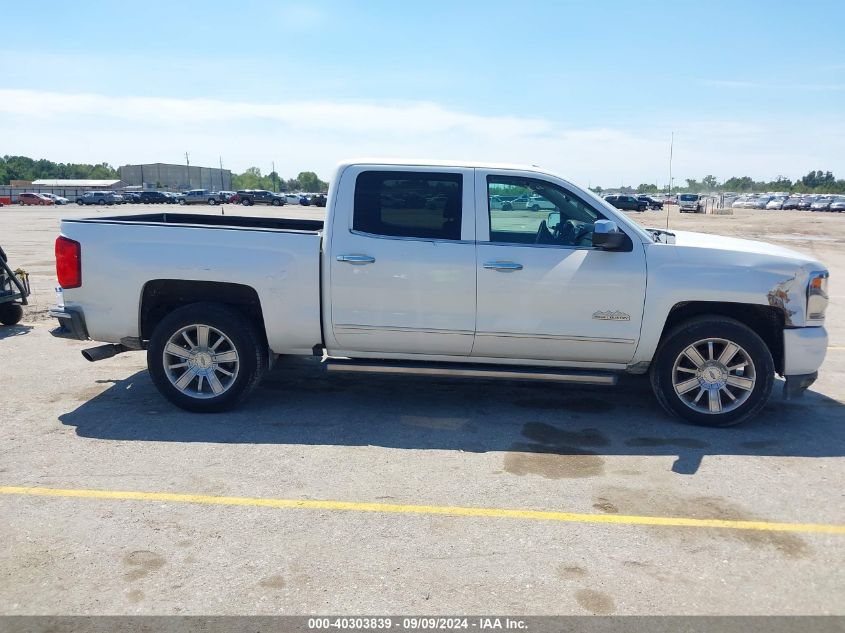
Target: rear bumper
71 323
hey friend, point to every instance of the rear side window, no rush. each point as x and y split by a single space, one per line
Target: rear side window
408 204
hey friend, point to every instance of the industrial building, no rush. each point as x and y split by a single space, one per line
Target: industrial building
176 177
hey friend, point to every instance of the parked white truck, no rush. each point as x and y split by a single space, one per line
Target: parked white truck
415 272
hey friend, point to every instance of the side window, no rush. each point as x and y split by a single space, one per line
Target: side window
532 211
408 204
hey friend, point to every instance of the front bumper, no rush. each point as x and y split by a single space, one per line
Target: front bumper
71 323
804 349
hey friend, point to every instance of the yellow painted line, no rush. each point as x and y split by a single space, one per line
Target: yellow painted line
356 506
836 347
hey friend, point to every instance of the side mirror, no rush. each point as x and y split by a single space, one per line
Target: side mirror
607 236
553 219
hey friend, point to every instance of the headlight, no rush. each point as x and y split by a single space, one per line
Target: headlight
817 296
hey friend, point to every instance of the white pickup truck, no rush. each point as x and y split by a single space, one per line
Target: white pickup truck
415 272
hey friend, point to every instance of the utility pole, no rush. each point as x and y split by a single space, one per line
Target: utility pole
221 172
273 163
671 149
188 163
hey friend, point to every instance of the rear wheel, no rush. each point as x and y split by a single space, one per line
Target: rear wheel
182 201
206 357
101 202
211 201
713 371
276 203
10 313
246 202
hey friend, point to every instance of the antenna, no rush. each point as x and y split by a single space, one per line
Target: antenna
671 148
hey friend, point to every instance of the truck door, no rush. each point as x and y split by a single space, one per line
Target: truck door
402 261
544 292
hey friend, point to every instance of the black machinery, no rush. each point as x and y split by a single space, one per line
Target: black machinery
14 289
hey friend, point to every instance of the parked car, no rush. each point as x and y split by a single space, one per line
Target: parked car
201 196
651 202
691 203
249 197
37 199
792 202
131 197
56 199
319 200
806 202
711 320
821 204
776 203
760 202
153 197
226 196
628 203
304 200
838 204
99 197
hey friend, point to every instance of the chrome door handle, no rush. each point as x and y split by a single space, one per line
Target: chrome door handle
503 266
356 259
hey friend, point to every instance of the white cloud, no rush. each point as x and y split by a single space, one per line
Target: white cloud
314 135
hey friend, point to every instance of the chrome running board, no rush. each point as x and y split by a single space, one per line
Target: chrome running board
469 370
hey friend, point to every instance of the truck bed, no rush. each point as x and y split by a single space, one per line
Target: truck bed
223 221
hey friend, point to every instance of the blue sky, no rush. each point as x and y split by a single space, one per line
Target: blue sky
592 90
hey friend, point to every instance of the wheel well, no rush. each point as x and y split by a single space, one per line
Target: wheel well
162 296
766 321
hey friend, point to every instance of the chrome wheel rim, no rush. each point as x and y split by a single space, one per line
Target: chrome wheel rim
201 361
713 376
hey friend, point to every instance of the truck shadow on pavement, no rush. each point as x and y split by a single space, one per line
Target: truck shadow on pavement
298 404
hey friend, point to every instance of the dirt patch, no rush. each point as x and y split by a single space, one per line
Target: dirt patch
142 563
273 582
596 602
560 462
571 572
605 506
653 503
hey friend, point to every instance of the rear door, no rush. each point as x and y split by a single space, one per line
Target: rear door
402 261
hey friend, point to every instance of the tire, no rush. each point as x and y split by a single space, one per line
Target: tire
182 201
101 202
276 203
10 313
753 360
246 202
212 201
535 208
240 336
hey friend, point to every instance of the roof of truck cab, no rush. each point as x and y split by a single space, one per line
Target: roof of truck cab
425 162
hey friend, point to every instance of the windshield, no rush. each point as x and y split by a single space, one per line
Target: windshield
688 197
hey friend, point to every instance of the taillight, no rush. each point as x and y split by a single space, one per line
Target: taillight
68 262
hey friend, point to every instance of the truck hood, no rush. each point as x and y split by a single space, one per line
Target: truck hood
740 250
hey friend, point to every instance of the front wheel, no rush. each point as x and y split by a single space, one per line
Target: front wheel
182 201
246 202
212 201
276 203
713 371
206 357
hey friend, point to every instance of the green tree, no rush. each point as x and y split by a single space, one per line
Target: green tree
710 183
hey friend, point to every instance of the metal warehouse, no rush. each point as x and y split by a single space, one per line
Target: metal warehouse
157 175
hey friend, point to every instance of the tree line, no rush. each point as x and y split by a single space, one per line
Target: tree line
306 181
816 181
25 168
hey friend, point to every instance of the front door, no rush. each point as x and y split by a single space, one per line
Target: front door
402 265
544 292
